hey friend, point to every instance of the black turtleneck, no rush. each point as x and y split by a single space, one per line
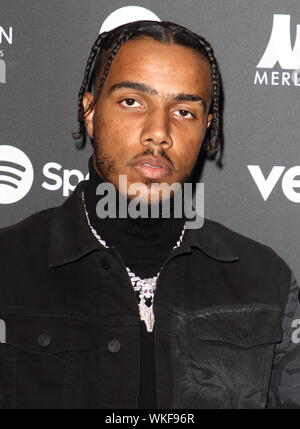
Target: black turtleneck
144 244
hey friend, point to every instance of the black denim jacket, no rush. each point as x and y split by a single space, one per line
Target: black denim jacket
224 309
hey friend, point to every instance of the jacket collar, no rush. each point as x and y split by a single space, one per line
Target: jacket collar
211 239
70 236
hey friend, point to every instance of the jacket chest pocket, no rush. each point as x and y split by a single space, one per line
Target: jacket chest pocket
224 357
42 361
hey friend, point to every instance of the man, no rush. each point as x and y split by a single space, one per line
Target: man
125 312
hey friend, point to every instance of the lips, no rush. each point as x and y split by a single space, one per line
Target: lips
153 167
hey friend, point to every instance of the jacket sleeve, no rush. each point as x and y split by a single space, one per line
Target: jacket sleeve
284 390
2 401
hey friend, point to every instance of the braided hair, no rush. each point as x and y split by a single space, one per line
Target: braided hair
107 46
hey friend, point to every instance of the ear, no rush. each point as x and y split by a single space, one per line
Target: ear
88 118
209 119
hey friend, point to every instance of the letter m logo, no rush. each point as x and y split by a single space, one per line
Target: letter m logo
280 47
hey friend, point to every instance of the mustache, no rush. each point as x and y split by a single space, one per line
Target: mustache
152 152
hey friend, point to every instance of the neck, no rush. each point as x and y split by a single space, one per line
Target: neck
149 239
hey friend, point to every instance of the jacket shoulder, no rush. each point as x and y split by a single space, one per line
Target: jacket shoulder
251 252
239 242
29 232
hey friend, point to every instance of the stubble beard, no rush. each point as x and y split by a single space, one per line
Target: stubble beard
105 166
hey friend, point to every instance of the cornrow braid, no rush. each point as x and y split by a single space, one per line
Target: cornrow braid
107 46
212 144
126 35
87 73
215 132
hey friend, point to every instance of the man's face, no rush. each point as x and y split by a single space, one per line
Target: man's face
151 116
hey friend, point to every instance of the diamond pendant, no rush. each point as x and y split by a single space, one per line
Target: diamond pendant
145 287
146 314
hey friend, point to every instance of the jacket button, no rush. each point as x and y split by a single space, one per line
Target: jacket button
114 346
168 337
105 262
242 332
44 340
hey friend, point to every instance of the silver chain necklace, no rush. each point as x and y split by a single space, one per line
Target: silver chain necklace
145 288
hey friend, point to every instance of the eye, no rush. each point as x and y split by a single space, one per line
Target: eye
184 114
130 102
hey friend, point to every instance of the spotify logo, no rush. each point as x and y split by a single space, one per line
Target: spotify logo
16 174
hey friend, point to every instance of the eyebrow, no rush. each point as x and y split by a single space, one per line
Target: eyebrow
151 91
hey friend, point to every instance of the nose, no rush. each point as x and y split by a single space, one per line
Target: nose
156 129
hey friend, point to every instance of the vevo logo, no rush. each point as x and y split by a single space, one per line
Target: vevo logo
279 50
289 181
16 174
